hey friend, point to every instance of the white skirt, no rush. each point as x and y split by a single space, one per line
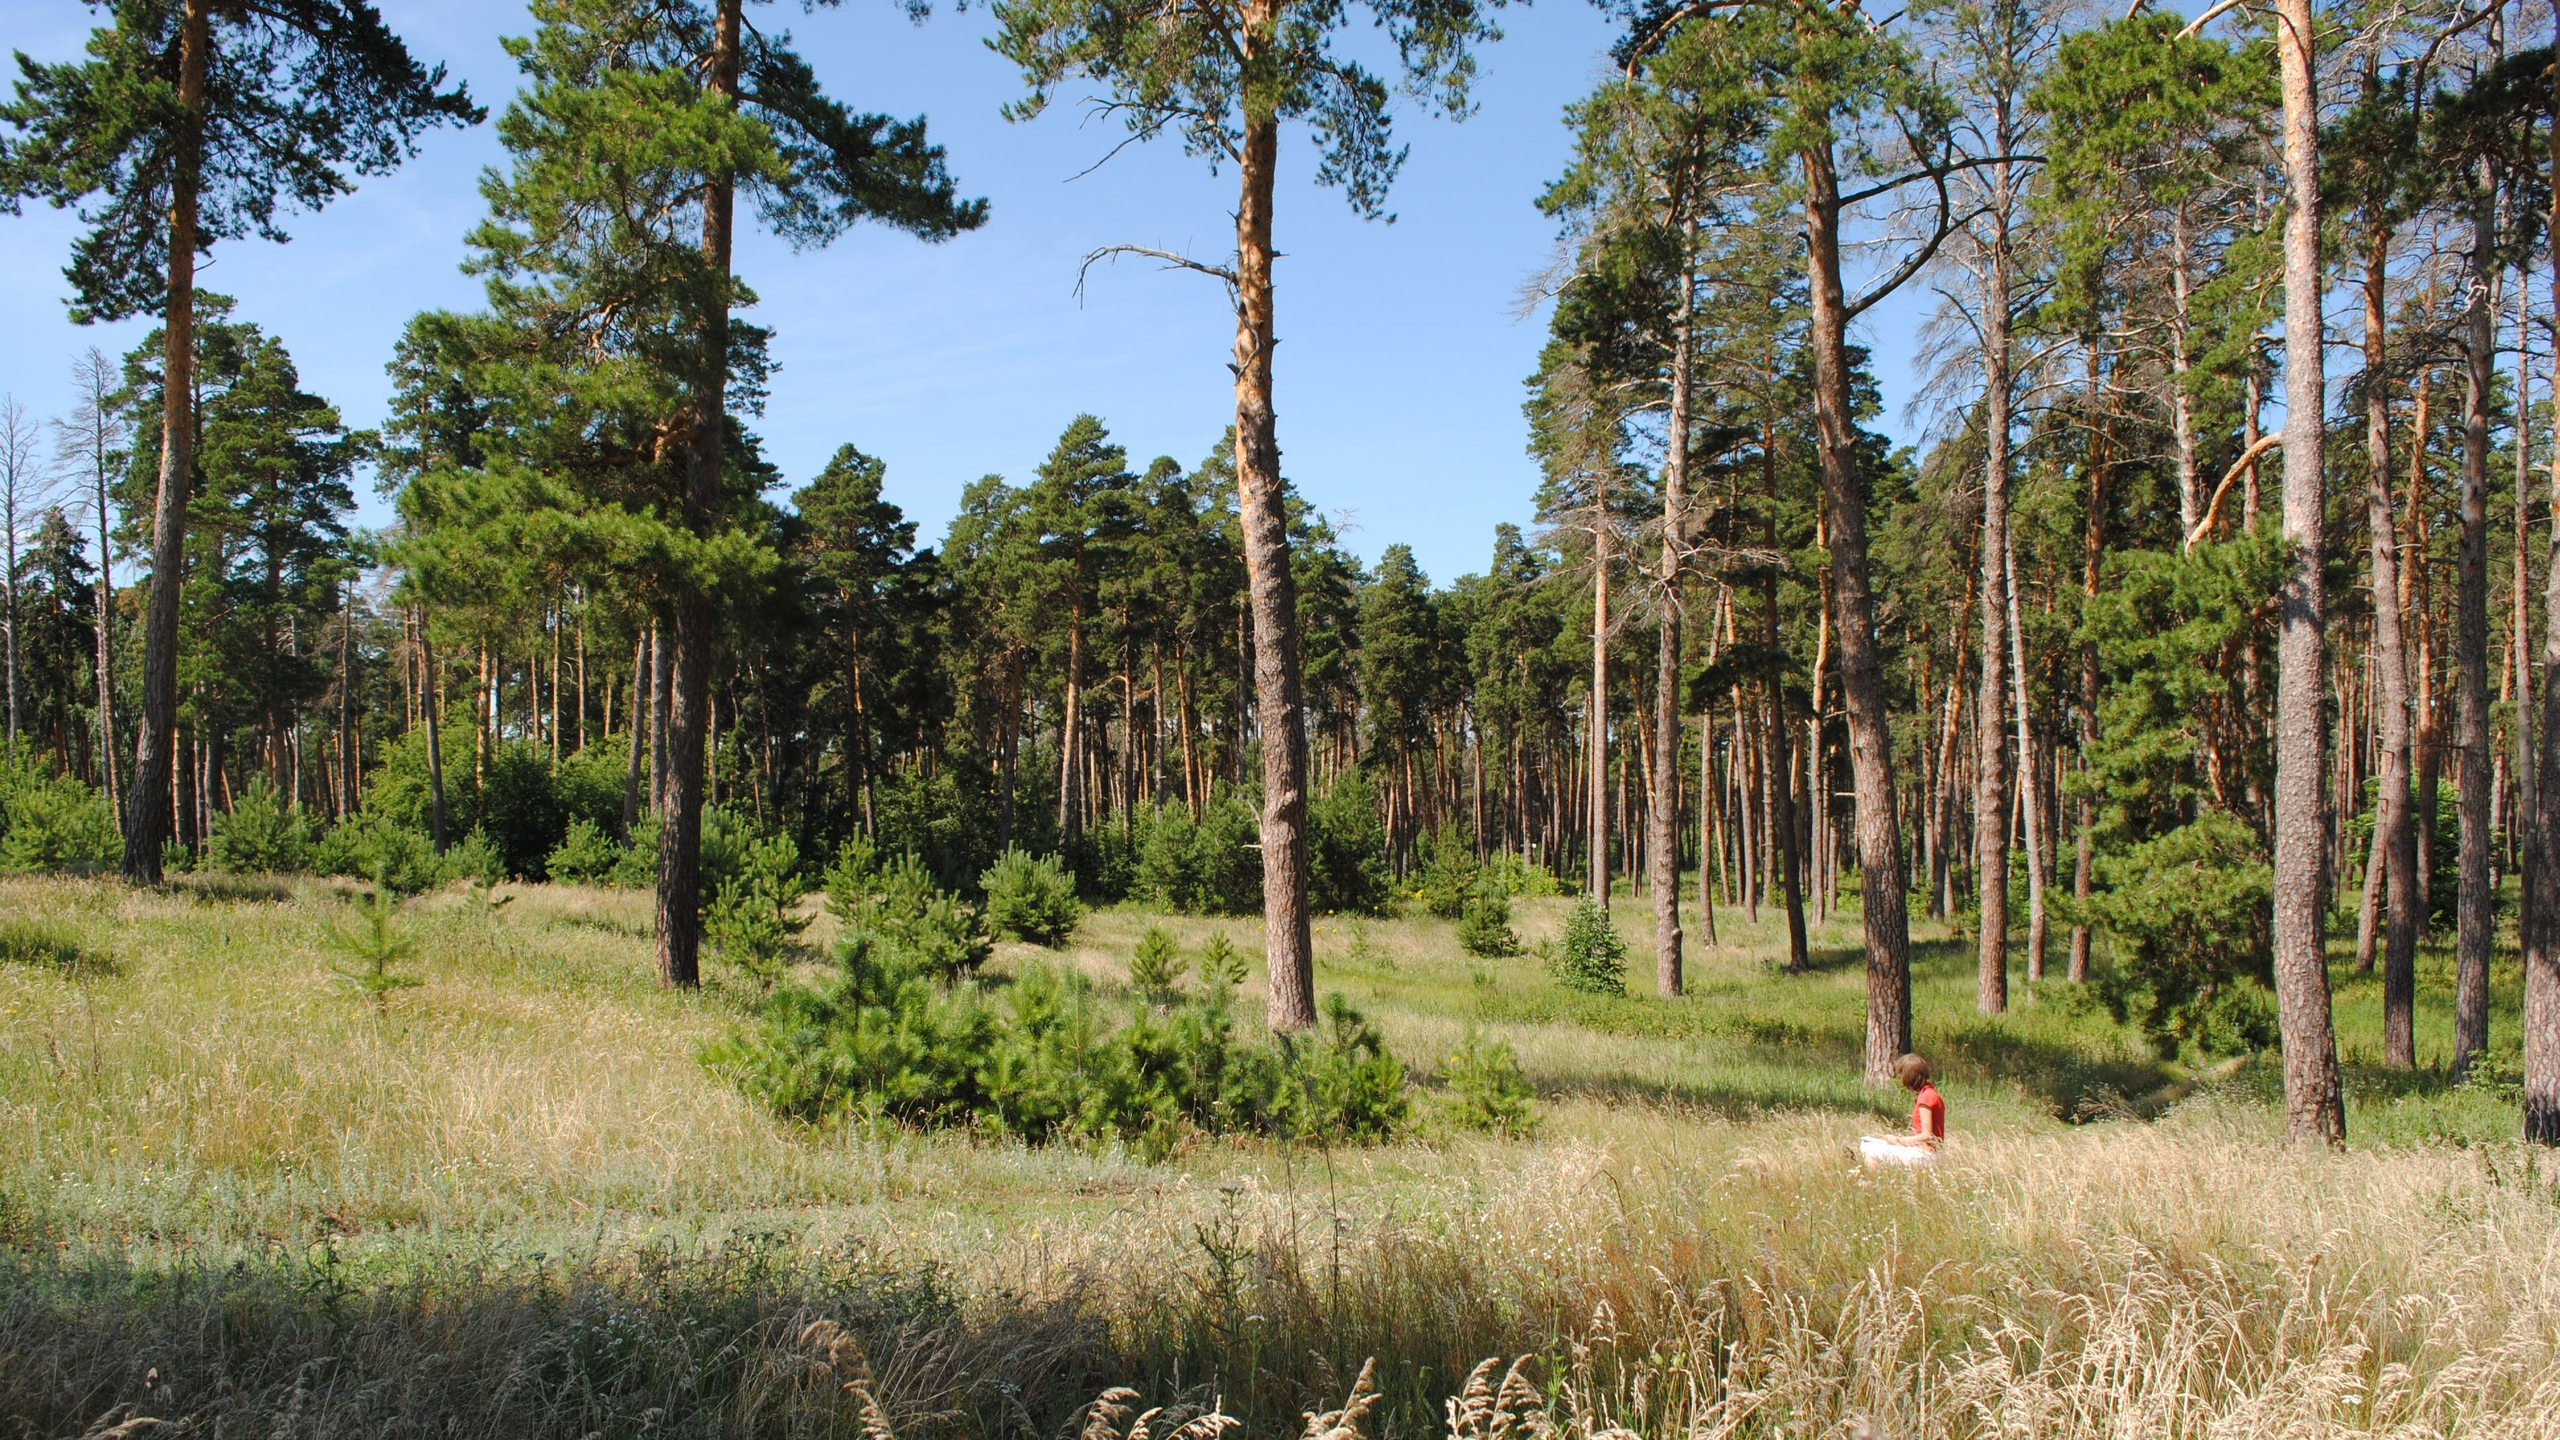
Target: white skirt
1895 1150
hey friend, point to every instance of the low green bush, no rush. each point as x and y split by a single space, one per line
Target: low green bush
1031 898
2190 914
754 893
587 855
1593 956
373 846
1157 968
1517 878
54 823
1450 874
1485 1090
898 904
1209 866
1042 1060
259 835
1347 849
1485 927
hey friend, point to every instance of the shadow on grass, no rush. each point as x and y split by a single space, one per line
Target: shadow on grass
47 945
1744 1099
2076 1082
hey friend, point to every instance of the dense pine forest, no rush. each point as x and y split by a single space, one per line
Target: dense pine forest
2209 627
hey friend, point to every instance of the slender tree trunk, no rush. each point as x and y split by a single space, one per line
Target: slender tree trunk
347 708
2314 1106
696 626
2191 498
1990 698
2541 918
1888 926
436 826
2084 837
641 669
1071 721
2395 840
2030 785
2520 643
147 804
1663 820
1288 941
2477 902
105 618
1595 859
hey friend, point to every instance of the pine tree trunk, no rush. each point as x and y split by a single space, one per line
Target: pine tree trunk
346 777
2476 900
2314 1107
2395 840
1595 858
1882 903
1289 944
107 780
696 626
641 669
1663 820
436 825
2541 917
147 805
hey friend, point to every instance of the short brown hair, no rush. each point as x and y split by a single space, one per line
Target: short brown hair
1911 1070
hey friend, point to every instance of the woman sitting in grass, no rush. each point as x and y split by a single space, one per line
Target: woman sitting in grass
1928 1121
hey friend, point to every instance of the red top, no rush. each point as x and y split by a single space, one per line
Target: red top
1929 1113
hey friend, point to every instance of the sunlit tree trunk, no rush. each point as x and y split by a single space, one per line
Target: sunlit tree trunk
2395 842
695 624
2314 1107
1887 922
154 755
2476 901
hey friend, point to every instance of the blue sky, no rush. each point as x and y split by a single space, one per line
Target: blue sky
1400 359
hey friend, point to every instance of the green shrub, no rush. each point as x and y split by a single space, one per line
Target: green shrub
1157 967
587 855
1592 957
1485 928
1031 898
1347 849
1449 874
884 1039
637 868
1221 964
259 835
1517 878
475 858
1211 866
899 905
1485 1089
750 919
376 942
521 809
372 846
53 823
2190 914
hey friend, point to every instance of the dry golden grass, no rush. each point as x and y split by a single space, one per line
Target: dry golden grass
509 1202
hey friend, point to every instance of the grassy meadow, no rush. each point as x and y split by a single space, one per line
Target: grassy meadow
238 1198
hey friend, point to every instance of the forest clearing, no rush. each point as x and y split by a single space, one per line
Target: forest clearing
545 891
513 1201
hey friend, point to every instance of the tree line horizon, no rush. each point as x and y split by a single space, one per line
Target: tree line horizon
2110 649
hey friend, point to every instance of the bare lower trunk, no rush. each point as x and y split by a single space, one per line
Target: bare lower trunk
146 815
1663 821
1991 781
695 623
635 761
437 828
2541 920
1882 903
2314 1107
2477 902
1288 943
1595 859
